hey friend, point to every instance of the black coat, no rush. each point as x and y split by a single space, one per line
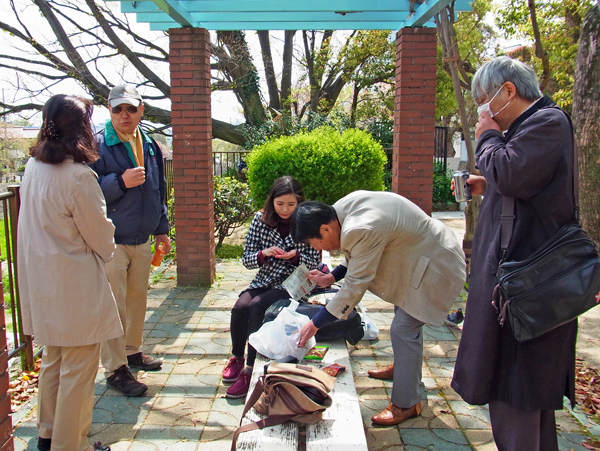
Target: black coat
533 162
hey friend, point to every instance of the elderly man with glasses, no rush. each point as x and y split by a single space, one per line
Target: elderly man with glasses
130 173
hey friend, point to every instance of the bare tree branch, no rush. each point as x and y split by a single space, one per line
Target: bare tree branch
125 50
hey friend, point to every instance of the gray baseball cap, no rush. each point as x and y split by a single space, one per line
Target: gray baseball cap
124 94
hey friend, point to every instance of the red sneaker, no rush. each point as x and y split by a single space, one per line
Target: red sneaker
233 369
241 386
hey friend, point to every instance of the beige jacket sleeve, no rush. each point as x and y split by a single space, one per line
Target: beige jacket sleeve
89 215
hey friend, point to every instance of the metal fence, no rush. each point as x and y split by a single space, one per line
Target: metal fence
20 344
227 161
440 152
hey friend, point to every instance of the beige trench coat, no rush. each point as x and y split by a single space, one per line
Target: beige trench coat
64 238
397 252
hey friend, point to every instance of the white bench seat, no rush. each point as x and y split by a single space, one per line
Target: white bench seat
341 427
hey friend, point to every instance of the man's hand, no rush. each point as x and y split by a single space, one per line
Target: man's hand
134 176
476 182
484 123
320 278
165 240
306 333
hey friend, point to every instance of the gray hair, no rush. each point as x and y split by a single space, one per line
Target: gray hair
493 74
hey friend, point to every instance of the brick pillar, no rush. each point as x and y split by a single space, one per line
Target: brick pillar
6 438
189 57
414 115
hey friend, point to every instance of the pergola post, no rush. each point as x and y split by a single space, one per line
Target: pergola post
189 57
414 115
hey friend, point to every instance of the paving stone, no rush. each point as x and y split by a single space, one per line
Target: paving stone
122 409
436 439
185 408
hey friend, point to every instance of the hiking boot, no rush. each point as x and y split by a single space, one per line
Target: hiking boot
122 380
233 369
44 444
241 386
143 362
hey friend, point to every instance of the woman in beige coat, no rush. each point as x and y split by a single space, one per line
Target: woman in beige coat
64 238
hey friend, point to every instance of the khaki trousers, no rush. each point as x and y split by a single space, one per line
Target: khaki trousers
66 395
128 273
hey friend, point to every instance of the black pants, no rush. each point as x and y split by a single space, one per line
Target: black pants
522 430
247 317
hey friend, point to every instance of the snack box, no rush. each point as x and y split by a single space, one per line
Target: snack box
317 353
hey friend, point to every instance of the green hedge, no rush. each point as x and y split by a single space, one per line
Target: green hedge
328 164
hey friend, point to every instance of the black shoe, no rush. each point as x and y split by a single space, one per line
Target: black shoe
143 362
44 444
124 382
456 317
98 447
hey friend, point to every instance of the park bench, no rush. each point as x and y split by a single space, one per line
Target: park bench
340 429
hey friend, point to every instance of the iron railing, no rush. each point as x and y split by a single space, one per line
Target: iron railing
22 344
226 161
440 152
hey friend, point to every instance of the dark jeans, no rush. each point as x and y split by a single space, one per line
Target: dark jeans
247 317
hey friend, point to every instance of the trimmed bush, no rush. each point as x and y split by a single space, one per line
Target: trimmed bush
233 206
327 163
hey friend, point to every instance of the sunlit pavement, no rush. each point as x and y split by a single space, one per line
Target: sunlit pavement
185 409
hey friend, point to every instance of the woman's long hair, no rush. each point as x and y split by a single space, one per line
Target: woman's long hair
282 186
66 131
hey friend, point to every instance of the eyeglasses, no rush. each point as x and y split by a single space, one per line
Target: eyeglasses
130 109
479 100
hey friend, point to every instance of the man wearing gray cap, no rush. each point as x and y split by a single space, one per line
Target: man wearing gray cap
130 173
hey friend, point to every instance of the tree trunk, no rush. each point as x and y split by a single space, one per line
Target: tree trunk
450 49
586 121
286 73
271 79
240 67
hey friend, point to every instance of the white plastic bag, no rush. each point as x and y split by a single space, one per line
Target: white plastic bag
279 338
370 328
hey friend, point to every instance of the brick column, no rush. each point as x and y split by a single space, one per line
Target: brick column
6 438
414 115
189 57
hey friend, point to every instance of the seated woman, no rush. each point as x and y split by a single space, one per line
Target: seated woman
269 247
64 239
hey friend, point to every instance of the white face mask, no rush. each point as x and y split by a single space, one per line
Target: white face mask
486 106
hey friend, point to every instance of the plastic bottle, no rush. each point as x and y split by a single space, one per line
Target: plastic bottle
159 253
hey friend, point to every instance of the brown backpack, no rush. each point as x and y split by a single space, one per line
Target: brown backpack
288 391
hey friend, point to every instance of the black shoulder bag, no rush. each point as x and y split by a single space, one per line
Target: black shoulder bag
556 284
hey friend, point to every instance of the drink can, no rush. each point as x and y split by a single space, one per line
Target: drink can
462 191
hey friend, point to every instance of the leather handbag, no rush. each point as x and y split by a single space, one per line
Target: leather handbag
559 282
556 284
288 391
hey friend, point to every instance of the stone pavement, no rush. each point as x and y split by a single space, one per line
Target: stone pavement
184 408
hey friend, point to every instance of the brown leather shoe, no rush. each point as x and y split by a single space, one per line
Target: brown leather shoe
385 373
393 415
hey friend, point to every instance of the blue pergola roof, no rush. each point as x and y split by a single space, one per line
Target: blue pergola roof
289 14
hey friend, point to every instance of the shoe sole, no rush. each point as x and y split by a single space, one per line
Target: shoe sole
227 395
145 368
230 380
132 394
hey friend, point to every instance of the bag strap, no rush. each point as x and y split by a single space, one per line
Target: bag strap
507 217
254 396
